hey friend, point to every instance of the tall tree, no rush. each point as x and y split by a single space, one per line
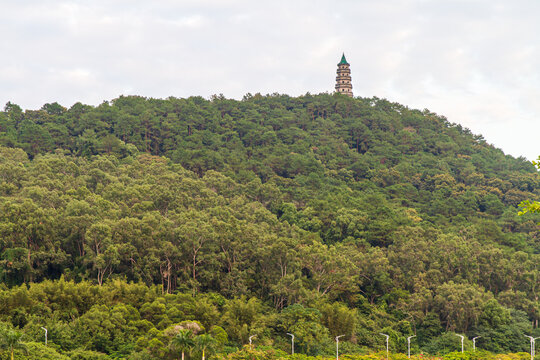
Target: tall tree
183 341
11 341
205 343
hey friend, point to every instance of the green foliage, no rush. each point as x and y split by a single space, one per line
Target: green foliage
80 354
11 341
38 351
219 334
305 324
320 215
205 344
247 353
183 341
531 206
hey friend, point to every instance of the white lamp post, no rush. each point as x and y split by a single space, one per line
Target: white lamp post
251 337
462 338
292 343
532 342
409 346
532 345
387 339
45 335
337 346
474 342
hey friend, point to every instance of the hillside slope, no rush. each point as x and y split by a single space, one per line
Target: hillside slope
396 213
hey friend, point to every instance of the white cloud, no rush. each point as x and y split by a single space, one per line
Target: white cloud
474 61
192 21
76 76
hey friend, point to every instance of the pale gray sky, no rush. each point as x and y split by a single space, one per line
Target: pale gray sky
474 61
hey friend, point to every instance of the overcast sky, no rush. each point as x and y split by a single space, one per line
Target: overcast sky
474 61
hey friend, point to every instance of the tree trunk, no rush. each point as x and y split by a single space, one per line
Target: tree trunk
169 271
100 276
194 267
30 262
162 282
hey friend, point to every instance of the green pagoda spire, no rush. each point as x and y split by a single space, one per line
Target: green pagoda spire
343 60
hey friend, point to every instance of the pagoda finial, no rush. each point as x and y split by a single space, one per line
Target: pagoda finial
343 60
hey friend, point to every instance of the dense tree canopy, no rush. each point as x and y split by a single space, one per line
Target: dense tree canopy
127 224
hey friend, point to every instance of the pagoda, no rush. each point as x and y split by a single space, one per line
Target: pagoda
343 78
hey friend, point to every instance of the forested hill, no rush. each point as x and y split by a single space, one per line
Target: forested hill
400 215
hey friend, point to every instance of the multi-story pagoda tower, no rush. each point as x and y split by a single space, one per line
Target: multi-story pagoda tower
343 78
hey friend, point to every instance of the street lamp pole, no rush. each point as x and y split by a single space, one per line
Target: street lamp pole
45 335
532 345
337 346
409 346
387 339
292 343
251 337
462 338
474 342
